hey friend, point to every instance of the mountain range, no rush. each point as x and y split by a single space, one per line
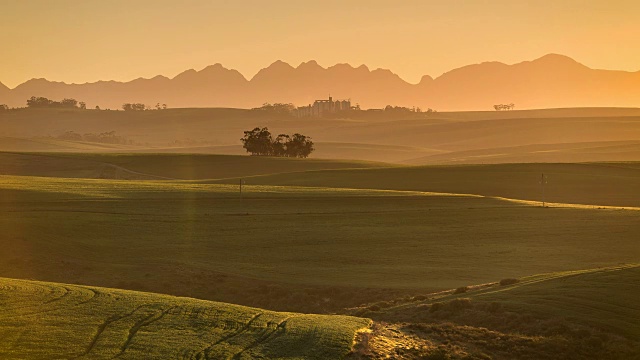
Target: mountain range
547 82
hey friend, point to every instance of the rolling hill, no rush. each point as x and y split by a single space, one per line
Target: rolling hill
291 248
51 320
596 184
579 314
553 135
160 166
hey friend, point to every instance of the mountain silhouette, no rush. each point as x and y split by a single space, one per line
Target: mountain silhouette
550 81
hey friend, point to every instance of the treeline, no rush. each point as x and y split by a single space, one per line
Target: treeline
259 141
406 110
142 107
275 109
109 137
3 107
43 102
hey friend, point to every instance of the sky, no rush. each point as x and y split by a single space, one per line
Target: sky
79 41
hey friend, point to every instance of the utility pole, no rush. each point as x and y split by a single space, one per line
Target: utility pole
543 182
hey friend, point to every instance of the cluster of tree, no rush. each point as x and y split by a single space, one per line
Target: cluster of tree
43 102
109 137
260 142
3 107
134 107
500 107
141 107
406 110
276 109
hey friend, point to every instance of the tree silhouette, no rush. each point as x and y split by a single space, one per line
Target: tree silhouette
260 142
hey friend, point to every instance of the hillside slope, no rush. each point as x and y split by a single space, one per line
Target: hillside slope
160 166
50 320
613 184
370 136
586 314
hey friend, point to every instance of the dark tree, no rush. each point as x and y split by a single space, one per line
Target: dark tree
260 142
299 146
276 109
280 145
133 107
3 107
43 102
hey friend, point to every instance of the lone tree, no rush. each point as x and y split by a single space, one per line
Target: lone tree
259 141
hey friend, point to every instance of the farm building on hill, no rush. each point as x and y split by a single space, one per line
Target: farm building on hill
323 107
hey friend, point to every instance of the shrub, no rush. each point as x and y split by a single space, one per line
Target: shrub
374 308
436 307
459 304
461 290
508 281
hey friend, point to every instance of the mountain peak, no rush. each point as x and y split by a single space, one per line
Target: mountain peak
311 64
214 67
279 64
556 61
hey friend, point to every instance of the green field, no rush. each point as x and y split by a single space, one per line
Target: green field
369 239
177 237
161 166
50 320
606 184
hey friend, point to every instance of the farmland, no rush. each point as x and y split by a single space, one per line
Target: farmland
43 320
344 246
106 249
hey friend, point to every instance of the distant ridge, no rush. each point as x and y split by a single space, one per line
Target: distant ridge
552 81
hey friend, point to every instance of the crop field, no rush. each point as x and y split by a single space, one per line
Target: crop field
293 248
50 320
160 166
372 240
605 184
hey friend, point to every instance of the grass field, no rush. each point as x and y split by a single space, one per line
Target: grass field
578 314
50 320
161 166
374 240
614 184
179 237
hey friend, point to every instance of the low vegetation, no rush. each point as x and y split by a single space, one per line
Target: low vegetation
589 314
50 320
43 102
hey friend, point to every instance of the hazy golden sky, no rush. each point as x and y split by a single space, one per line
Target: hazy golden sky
88 40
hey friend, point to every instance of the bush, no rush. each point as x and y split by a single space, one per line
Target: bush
459 304
461 290
374 308
436 307
509 281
